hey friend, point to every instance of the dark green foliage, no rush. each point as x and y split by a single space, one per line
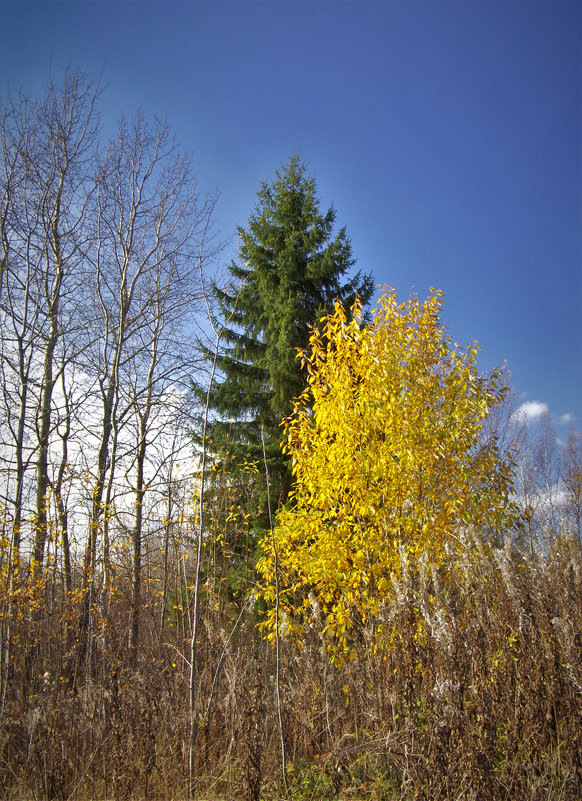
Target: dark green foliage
291 268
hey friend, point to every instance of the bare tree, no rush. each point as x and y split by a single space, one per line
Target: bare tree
68 120
48 149
157 389
153 232
571 477
20 314
47 155
545 455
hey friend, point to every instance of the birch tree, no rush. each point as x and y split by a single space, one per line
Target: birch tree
48 151
153 234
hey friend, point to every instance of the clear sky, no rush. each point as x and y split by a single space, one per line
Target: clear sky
446 134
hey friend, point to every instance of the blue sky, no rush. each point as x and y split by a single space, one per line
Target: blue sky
446 134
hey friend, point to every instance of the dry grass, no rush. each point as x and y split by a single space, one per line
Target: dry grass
477 695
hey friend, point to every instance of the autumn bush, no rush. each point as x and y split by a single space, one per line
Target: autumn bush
388 453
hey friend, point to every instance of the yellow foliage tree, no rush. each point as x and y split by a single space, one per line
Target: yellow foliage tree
388 453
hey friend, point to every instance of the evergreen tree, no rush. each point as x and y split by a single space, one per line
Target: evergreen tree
291 269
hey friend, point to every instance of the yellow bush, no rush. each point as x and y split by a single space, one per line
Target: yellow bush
388 454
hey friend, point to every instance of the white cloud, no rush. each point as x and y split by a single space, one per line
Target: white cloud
564 419
530 410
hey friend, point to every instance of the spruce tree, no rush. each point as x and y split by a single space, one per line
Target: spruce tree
291 268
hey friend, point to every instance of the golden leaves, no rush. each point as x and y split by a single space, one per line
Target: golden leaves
386 452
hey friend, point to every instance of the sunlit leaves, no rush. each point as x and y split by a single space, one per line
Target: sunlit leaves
388 454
